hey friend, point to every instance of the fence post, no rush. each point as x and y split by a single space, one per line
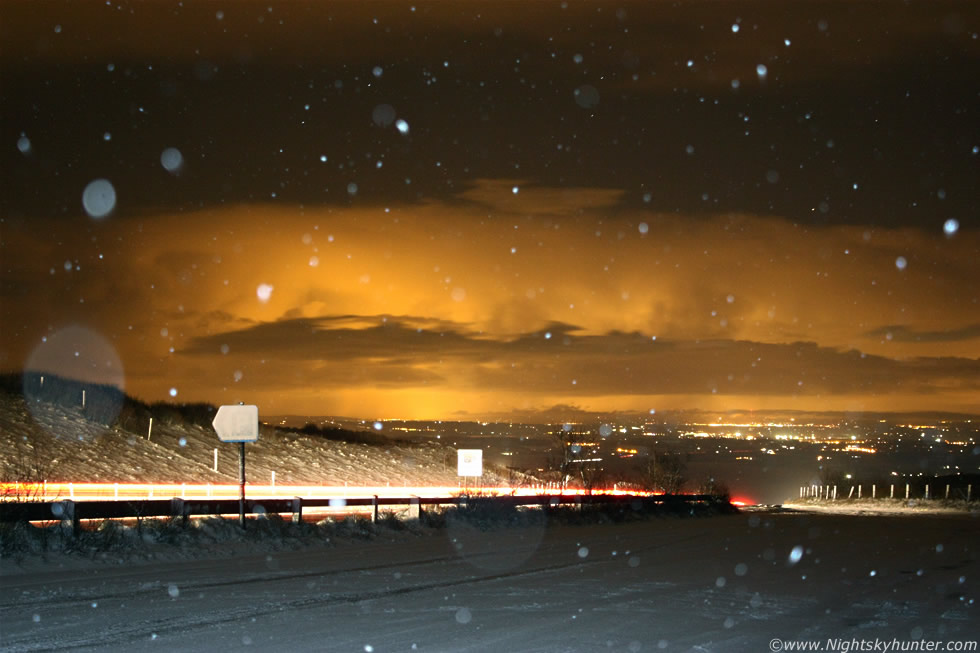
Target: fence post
859 492
149 431
927 490
851 493
297 510
969 491
374 509
906 491
947 490
891 491
874 491
835 493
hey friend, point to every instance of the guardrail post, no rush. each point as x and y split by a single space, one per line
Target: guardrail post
69 515
415 508
927 490
374 509
947 490
969 491
297 510
906 491
179 509
891 492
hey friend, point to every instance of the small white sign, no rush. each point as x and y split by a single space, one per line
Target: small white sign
469 462
237 423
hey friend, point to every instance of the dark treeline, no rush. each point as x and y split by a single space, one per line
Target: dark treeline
338 434
103 404
111 407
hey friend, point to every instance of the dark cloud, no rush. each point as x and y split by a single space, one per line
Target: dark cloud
394 351
902 333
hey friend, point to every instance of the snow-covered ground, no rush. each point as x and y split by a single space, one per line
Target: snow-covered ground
885 507
726 583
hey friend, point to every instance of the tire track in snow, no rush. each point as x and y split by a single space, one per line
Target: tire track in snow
132 632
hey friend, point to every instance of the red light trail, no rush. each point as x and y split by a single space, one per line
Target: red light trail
141 491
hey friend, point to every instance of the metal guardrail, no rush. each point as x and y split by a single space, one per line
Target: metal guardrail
72 512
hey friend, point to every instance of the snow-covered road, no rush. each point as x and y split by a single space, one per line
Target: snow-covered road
731 583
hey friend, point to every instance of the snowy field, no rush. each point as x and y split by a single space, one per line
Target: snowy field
725 583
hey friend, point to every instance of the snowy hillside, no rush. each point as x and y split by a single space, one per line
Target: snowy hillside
50 442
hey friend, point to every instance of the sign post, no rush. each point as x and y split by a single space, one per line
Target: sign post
241 484
238 424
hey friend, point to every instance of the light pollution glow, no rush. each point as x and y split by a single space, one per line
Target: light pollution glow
516 306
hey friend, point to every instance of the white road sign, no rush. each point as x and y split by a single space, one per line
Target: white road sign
237 423
469 462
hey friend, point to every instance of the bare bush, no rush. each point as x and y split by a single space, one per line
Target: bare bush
23 475
663 473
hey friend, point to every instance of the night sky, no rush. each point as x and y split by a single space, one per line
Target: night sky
468 209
